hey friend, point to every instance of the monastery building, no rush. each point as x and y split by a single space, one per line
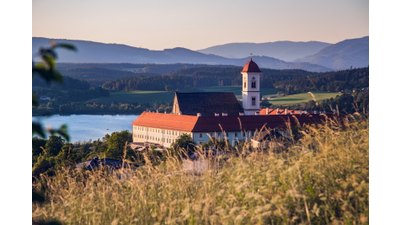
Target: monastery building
204 115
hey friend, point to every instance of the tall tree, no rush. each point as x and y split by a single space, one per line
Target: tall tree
184 143
116 144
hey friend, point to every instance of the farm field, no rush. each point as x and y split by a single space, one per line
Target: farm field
302 97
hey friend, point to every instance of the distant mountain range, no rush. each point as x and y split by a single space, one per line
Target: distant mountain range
95 52
342 55
283 50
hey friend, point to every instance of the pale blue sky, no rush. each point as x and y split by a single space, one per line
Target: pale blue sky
159 24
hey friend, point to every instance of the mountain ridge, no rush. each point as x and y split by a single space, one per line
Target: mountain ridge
96 52
342 55
283 50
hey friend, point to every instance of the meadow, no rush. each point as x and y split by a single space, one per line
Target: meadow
319 177
302 97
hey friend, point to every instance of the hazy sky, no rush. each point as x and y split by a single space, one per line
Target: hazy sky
197 24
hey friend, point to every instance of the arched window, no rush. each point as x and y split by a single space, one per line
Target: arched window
244 85
253 84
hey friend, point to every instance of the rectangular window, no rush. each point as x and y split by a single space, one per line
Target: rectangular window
253 84
253 101
201 135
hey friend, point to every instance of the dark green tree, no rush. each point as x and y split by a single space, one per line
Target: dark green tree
53 145
184 144
116 144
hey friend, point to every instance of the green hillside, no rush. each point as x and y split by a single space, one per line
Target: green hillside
302 97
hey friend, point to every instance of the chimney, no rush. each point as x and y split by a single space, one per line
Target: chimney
198 114
286 111
157 111
266 111
300 112
216 114
277 111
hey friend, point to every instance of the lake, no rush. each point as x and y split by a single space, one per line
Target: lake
88 127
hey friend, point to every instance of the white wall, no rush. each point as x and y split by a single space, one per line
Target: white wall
163 137
166 137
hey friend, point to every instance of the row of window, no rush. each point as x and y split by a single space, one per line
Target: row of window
160 131
253 84
152 138
218 134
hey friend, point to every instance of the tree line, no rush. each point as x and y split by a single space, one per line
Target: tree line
93 107
288 81
70 90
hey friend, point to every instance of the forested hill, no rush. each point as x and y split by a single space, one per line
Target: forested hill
289 81
98 73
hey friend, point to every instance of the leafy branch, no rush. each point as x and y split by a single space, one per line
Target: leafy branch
46 69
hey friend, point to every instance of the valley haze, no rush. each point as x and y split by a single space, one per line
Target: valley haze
311 56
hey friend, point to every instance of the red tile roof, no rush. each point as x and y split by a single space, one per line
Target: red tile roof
222 123
251 67
166 121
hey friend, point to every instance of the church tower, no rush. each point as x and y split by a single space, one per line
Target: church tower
251 88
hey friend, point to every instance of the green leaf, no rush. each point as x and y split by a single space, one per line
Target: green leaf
48 52
50 61
37 129
63 132
66 46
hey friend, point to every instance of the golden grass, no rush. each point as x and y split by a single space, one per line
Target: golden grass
323 178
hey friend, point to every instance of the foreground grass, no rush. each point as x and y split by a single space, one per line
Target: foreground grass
322 178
